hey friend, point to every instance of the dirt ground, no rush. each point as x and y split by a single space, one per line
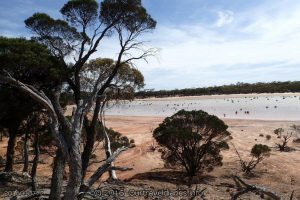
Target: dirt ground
280 172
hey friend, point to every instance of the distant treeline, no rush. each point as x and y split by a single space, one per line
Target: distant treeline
239 88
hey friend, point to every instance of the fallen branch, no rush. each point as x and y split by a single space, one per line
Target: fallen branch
101 170
245 188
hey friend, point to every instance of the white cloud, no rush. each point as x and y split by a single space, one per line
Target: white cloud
254 38
225 18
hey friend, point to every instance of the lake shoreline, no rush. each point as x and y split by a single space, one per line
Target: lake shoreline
220 96
275 106
224 119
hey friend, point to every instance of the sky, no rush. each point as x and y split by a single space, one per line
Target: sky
201 42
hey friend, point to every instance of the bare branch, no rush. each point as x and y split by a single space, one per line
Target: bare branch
103 168
252 188
123 169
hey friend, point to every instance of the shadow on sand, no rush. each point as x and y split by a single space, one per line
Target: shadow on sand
174 177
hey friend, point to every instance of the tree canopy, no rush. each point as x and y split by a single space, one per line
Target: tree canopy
193 140
29 62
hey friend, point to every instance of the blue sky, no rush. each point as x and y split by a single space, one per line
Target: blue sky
200 42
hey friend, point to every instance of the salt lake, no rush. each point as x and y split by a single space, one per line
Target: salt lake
254 106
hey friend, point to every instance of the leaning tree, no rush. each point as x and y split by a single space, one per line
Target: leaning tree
192 140
79 34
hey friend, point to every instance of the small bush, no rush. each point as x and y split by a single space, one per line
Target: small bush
268 137
285 138
258 152
117 140
279 131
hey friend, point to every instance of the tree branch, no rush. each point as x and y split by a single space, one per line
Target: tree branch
102 169
42 99
252 188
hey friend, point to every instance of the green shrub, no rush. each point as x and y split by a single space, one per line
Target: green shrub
192 140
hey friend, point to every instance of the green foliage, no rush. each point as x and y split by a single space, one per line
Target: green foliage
117 140
64 37
260 150
279 131
193 140
130 14
80 12
57 35
239 88
29 62
127 80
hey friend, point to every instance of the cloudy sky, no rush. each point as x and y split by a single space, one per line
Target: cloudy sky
201 42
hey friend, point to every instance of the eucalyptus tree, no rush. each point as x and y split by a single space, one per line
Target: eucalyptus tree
122 87
28 62
79 34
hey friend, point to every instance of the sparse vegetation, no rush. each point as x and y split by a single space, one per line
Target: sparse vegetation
118 140
284 140
258 153
58 90
279 131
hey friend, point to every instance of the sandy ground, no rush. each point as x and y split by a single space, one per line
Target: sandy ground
280 172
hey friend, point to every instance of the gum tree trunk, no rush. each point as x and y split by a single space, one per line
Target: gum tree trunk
10 150
35 163
89 145
90 139
75 162
75 170
57 176
25 153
